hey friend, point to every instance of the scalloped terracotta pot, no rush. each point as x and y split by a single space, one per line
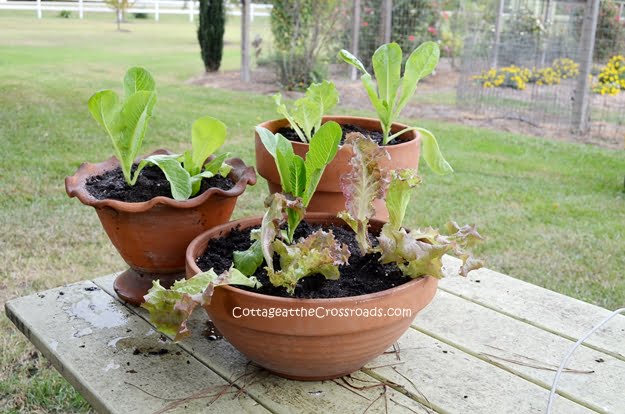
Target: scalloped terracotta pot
152 236
328 198
313 347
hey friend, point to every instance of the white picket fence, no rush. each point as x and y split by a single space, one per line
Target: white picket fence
155 7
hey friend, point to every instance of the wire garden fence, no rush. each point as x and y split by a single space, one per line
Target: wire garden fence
534 70
518 59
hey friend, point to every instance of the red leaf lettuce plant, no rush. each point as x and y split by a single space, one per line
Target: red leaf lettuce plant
417 252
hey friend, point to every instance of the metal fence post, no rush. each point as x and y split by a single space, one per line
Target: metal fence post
191 10
39 9
498 22
81 13
156 11
353 72
388 20
245 40
580 114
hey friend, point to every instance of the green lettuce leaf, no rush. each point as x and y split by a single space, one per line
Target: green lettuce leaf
387 68
398 194
365 183
299 178
138 79
319 253
325 96
207 135
432 153
421 62
126 122
278 209
282 110
269 140
248 261
419 252
171 308
322 150
284 161
308 111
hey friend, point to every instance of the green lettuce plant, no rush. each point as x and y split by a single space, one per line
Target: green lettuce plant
394 91
306 114
186 171
126 121
299 177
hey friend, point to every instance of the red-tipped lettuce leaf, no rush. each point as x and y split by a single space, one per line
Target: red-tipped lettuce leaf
319 253
365 183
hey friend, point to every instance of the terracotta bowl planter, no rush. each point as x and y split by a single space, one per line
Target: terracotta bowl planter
328 198
152 236
309 348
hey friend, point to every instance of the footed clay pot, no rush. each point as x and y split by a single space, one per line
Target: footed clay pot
152 236
328 198
309 348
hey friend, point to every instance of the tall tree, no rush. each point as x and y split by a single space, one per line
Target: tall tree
210 32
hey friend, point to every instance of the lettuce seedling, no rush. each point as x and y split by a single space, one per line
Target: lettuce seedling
299 177
171 308
185 172
307 112
319 253
398 194
126 121
366 182
393 91
419 252
279 209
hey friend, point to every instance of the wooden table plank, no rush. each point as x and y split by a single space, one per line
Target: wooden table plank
101 348
278 394
461 383
442 378
551 311
523 348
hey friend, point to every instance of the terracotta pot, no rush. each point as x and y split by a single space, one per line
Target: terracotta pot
328 198
309 348
152 236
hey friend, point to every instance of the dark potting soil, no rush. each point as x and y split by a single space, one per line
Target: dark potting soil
290 134
151 183
363 274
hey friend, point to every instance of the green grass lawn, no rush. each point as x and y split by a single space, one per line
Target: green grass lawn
552 212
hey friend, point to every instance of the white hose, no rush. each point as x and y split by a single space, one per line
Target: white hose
581 340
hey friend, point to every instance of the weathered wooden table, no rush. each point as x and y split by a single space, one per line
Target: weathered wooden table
487 344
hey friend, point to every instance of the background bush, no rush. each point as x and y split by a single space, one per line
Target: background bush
210 33
305 34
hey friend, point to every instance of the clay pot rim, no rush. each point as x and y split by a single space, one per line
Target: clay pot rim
75 186
406 137
205 236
